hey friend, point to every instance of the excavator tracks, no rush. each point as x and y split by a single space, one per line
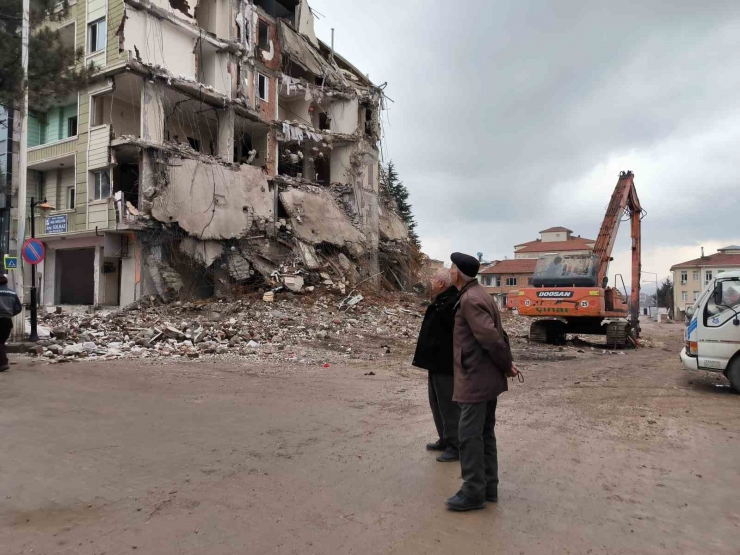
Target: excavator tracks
617 334
547 331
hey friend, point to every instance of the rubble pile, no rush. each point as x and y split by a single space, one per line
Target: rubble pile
304 329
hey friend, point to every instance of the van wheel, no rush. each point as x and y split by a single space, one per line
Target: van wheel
733 374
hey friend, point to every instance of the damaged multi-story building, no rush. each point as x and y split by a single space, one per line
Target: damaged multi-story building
220 144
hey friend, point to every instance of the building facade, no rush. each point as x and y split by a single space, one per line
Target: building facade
504 278
690 278
554 240
220 143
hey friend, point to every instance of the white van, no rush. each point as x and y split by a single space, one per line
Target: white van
713 329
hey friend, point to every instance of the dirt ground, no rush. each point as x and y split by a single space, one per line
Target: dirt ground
602 453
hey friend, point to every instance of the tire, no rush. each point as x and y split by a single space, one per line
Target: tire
733 374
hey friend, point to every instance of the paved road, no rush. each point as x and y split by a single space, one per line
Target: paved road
603 454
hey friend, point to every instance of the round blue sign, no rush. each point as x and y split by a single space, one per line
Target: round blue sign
33 251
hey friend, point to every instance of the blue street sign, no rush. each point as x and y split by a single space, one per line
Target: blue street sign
56 224
10 262
33 251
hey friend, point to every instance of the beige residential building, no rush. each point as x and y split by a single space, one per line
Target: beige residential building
689 278
554 240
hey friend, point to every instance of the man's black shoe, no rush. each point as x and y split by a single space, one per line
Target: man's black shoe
451 454
4 367
491 495
438 445
461 502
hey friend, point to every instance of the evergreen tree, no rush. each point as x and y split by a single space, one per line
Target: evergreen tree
55 69
395 189
665 294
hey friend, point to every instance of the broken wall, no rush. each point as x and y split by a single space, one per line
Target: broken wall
316 218
344 116
154 42
210 200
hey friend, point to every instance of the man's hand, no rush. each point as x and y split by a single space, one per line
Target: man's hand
513 372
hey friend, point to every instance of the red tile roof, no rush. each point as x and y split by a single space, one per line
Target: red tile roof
717 259
515 266
574 244
556 229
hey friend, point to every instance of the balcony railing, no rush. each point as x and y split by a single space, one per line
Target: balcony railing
50 151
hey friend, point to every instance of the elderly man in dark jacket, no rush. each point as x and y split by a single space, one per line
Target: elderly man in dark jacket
10 305
434 353
482 364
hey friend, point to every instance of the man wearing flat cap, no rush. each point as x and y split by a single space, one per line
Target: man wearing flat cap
482 362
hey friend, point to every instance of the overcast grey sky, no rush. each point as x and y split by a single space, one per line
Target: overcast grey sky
510 117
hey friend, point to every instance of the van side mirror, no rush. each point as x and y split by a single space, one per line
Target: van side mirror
718 297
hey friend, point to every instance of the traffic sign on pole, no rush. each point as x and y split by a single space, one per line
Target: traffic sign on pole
33 251
10 262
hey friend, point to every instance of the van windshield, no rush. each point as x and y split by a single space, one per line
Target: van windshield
718 314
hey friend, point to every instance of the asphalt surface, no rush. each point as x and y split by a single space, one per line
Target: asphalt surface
605 453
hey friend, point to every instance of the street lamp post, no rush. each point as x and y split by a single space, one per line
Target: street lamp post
34 336
657 302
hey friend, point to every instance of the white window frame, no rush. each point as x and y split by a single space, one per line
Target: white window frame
101 47
684 296
708 275
696 295
511 281
696 275
266 97
684 276
497 281
95 175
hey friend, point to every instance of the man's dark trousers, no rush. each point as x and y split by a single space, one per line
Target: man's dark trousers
445 411
478 456
6 324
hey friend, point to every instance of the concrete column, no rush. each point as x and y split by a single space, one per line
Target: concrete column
226 120
99 288
152 111
49 290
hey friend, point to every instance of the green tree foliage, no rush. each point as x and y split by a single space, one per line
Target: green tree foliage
393 187
665 294
55 69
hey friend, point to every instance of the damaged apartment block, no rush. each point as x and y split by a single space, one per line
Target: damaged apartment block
222 145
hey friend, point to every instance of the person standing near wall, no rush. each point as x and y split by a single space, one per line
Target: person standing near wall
10 305
482 364
434 354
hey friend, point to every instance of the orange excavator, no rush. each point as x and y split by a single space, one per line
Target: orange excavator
570 293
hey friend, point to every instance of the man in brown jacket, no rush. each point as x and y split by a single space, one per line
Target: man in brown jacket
482 362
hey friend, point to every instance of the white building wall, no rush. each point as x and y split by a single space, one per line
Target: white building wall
159 43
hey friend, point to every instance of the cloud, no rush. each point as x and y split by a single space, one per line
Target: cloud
510 117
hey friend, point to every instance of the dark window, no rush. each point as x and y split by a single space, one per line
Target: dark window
511 281
194 144
96 36
72 126
324 122
263 86
263 35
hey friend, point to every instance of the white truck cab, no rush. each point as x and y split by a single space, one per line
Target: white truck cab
713 329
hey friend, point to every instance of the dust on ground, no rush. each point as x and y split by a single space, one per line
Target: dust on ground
599 453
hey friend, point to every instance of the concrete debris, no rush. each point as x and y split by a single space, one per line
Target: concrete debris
203 252
275 326
308 329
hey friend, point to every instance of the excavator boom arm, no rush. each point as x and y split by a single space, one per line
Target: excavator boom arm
623 199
